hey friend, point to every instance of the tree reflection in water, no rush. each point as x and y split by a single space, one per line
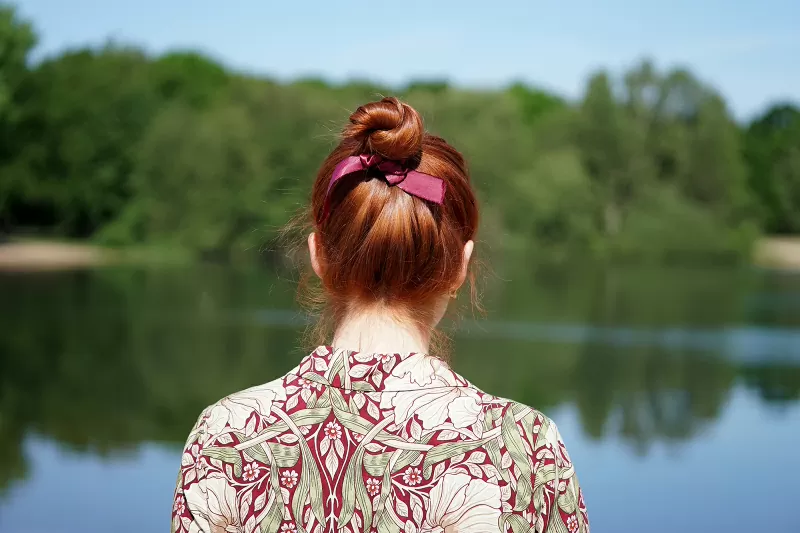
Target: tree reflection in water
102 361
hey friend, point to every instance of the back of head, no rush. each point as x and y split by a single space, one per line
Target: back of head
379 245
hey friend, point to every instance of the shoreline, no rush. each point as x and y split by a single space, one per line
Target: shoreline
26 256
780 253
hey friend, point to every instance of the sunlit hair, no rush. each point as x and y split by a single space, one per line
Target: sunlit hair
380 246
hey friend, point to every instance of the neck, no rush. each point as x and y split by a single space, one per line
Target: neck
379 331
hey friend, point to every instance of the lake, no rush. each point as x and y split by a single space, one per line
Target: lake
677 390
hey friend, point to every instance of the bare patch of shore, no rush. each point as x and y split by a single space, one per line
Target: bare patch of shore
29 256
771 252
779 252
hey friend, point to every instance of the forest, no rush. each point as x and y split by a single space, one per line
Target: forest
114 146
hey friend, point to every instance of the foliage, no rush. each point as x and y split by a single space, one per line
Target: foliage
107 359
176 151
772 150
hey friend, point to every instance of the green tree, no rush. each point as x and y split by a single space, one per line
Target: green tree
17 38
613 153
772 152
84 113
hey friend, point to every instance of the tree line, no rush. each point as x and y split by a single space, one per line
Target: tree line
178 152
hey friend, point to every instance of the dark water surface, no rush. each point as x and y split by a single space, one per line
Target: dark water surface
677 390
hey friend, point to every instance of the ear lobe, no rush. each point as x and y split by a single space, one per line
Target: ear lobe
316 265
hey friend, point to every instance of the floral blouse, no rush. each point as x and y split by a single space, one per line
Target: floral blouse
360 442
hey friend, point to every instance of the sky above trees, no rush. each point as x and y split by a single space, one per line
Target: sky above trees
742 49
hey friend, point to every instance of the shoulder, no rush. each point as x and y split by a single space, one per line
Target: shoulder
242 411
525 431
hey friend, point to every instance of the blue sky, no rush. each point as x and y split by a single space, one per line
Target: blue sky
748 50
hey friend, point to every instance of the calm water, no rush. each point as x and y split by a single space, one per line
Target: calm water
677 391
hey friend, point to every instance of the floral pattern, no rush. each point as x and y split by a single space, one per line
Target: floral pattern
360 442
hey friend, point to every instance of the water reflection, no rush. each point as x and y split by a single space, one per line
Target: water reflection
117 361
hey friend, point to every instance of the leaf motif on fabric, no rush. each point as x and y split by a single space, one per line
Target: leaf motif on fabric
416 512
250 428
401 508
387 525
410 527
438 471
291 403
372 409
505 461
363 357
225 438
332 463
359 371
273 519
260 501
244 504
415 430
305 394
339 447
359 400
447 434
527 446
285 456
325 446
374 447
375 465
517 523
320 365
491 472
348 489
477 457
377 377
474 470
505 492
288 438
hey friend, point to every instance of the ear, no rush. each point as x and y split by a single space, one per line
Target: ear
312 252
462 276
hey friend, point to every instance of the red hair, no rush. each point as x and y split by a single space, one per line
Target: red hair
380 245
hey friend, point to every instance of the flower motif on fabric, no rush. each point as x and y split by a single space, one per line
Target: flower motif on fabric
250 472
572 524
392 443
308 384
333 431
412 476
289 479
180 505
373 486
472 503
236 409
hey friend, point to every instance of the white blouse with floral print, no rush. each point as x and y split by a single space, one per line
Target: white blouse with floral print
351 442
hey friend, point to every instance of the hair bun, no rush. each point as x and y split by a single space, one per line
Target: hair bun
388 127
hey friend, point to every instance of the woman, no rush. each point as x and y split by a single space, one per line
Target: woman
370 433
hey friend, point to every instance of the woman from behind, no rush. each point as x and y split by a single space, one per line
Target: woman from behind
370 432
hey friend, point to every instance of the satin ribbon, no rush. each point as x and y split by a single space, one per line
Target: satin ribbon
415 183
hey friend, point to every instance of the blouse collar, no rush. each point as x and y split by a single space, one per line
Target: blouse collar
351 370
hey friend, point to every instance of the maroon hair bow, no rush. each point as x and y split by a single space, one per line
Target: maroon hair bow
415 183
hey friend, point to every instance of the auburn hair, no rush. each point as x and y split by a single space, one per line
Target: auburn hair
380 246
